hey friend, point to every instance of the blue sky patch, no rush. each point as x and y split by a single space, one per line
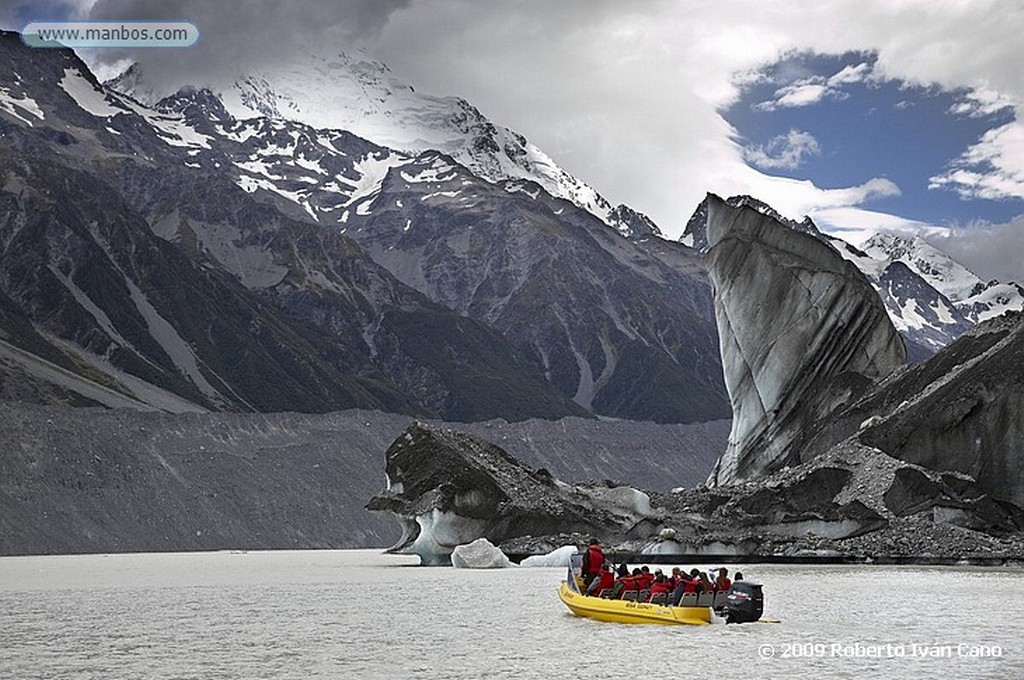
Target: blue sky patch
830 119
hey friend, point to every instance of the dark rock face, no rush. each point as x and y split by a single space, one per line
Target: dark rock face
449 488
800 329
623 326
963 410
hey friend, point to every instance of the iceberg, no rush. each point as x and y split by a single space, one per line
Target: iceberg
480 554
555 558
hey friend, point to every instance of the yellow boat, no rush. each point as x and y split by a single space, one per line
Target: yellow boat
624 611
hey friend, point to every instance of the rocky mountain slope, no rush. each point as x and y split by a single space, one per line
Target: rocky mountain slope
960 411
217 481
623 326
133 261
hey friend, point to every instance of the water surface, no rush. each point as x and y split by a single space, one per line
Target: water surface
361 614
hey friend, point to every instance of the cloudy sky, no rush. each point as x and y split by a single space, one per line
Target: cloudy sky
865 114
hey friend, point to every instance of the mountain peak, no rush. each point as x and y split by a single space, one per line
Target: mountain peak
190 101
632 224
359 94
951 278
133 83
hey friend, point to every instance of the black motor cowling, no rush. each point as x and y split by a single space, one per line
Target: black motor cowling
744 603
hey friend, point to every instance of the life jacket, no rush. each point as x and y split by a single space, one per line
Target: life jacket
604 581
628 583
725 585
593 559
644 581
662 586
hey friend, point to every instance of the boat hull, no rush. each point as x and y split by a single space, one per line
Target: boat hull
623 611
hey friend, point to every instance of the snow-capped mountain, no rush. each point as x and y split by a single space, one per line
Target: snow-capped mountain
976 299
362 96
931 299
349 273
927 319
136 271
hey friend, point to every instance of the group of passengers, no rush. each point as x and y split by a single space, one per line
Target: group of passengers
600 580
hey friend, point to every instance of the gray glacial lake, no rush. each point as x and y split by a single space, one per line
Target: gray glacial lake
362 614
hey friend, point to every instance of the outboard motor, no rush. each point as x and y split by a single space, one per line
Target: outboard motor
744 603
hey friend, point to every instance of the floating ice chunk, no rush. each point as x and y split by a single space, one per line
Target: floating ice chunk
555 558
480 554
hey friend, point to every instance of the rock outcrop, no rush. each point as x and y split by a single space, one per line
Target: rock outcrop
962 411
450 488
801 332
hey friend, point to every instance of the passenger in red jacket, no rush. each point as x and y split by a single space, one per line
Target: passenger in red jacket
693 584
684 584
593 560
605 581
622 584
660 585
645 579
722 583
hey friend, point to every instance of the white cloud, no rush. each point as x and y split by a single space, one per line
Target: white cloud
992 168
856 225
849 75
814 89
801 93
785 151
981 102
993 251
878 187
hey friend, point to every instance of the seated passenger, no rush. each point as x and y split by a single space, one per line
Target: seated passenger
605 580
646 578
693 584
622 584
593 559
684 584
660 585
676 578
706 585
722 583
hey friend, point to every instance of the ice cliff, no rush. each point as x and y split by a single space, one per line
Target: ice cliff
801 332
